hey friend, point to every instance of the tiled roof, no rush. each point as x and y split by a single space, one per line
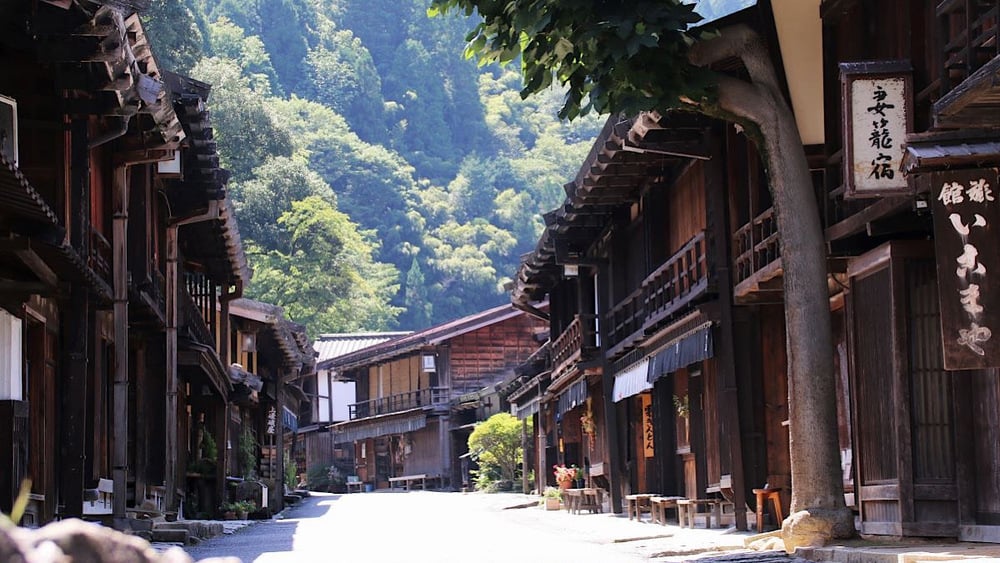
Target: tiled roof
333 345
416 340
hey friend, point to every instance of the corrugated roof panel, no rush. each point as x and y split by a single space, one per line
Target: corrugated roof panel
333 345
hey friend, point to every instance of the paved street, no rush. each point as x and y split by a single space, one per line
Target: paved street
446 527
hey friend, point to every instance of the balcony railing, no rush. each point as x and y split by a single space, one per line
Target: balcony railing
684 277
578 341
755 246
970 38
430 397
100 259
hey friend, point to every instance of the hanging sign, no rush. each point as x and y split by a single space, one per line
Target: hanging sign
966 218
647 425
878 112
272 420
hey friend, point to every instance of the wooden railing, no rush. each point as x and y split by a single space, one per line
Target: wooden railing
578 341
100 258
203 292
429 397
970 38
684 277
194 320
755 246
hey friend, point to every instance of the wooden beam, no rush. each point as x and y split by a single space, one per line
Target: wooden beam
858 222
21 247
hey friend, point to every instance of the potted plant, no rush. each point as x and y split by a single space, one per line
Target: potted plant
564 475
243 508
551 498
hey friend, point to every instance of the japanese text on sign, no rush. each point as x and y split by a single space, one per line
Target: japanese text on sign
877 117
965 212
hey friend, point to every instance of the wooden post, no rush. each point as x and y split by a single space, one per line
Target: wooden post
525 456
279 432
119 464
75 332
615 454
170 470
730 431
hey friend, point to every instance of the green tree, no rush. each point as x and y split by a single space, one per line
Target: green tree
497 443
343 77
174 31
644 56
246 132
322 272
229 41
276 185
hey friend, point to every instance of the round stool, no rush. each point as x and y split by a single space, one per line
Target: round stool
763 495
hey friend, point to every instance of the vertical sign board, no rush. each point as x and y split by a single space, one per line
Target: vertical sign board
878 112
966 218
647 424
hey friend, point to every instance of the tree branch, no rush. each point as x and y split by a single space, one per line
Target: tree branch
741 42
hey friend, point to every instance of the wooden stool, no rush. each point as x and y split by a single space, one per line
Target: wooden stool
688 508
763 495
635 504
659 506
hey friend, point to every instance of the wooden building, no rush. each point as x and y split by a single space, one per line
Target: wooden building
330 399
665 252
419 395
896 106
917 84
119 258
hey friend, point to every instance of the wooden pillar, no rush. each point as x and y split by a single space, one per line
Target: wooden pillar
730 431
524 452
170 469
279 448
75 330
615 453
119 456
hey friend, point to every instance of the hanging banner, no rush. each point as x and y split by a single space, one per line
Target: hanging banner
966 219
878 112
647 424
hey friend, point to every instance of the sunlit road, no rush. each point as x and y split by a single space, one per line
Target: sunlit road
422 526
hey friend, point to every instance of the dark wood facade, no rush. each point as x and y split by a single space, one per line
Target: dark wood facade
119 260
420 394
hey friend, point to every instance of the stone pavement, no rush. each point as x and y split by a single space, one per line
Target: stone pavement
672 543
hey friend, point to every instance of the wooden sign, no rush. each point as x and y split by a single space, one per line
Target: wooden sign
647 424
878 112
966 218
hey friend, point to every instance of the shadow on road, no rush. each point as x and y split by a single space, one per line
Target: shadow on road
266 537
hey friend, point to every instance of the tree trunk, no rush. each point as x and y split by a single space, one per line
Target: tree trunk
816 480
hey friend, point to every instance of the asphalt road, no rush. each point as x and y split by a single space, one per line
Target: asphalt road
442 527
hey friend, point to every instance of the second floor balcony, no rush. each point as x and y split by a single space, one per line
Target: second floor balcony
679 282
757 255
430 398
577 343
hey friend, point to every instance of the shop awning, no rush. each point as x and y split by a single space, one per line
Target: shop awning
373 427
692 346
631 381
574 396
524 410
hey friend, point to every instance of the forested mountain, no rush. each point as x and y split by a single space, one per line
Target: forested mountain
381 180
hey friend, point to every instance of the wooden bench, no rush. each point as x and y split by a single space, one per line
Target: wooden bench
407 482
635 504
658 508
688 508
353 482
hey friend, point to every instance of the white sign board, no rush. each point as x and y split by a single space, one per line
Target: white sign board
877 116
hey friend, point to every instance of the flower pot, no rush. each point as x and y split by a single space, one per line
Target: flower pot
551 503
565 485
241 514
